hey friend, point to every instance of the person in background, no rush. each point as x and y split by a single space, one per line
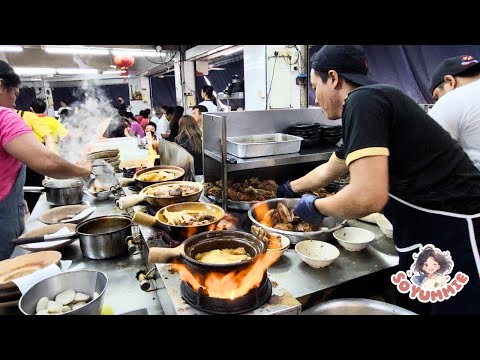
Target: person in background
38 106
400 161
152 129
163 125
62 115
456 85
117 128
146 114
197 115
156 114
19 147
121 103
135 128
209 100
190 138
63 106
177 114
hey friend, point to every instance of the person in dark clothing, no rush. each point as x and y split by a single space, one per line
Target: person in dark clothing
177 114
400 161
121 104
190 138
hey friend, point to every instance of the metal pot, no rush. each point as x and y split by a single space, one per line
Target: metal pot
57 193
356 307
329 224
104 237
218 239
84 281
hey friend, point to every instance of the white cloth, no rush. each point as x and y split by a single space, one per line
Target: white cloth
209 105
458 111
163 127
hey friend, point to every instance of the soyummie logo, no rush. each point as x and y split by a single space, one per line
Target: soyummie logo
429 280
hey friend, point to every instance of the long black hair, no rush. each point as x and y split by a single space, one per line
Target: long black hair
207 89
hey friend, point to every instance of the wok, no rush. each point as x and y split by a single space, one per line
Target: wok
179 232
59 192
160 202
142 184
218 239
329 225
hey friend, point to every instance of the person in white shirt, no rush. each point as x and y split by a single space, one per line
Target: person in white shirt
63 105
456 85
163 124
209 100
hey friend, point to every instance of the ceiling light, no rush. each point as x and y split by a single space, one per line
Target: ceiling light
216 68
33 71
66 71
76 50
111 72
218 49
10 48
233 51
137 52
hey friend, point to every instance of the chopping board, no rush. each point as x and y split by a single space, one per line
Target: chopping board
24 265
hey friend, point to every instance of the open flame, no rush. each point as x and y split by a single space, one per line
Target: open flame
227 285
260 211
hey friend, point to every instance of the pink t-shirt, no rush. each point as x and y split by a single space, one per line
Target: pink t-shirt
137 129
11 126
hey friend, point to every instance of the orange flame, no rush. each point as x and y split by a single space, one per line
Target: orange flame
260 212
228 285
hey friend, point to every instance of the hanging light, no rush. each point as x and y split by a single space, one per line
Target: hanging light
123 62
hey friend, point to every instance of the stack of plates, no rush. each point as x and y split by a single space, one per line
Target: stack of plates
309 132
330 135
111 156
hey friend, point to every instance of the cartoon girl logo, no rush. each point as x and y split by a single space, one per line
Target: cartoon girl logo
431 266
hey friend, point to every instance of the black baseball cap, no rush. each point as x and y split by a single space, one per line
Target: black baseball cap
451 66
349 61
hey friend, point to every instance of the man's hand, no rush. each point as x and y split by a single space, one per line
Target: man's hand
87 165
307 211
285 191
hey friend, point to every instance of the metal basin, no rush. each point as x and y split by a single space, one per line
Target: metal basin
356 307
84 281
329 224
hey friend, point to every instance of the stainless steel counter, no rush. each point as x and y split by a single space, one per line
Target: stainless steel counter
123 293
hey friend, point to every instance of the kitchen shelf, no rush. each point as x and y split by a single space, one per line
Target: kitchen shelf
321 153
234 96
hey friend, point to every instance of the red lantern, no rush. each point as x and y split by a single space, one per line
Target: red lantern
124 62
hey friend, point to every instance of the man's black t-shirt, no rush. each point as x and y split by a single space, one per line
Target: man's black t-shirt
426 166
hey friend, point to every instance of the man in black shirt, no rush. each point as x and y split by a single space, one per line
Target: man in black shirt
400 161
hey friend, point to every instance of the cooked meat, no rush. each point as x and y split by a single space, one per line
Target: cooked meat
232 193
175 190
271 218
283 226
269 185
284 213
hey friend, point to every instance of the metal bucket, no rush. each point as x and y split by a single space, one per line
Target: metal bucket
356 307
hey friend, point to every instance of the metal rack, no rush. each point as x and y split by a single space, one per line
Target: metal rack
218 126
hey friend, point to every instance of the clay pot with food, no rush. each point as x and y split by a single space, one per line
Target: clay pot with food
154 175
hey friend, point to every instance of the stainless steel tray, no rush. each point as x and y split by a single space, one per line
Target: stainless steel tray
263 145
233 205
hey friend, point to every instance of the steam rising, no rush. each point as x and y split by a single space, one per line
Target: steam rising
87 122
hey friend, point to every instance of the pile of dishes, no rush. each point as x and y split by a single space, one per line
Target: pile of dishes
330 135
111 156
309 132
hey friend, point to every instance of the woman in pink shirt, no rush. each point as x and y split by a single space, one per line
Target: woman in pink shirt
20 147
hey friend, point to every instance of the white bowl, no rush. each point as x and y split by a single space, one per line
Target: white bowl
353 238
285 244
386 226
316 253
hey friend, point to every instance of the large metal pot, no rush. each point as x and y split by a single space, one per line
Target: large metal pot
59 192
356 307
329 224
84 281
104 237
211 240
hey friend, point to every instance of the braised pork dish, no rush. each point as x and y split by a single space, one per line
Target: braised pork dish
282 218
252 189
223 256
159 175
188 218
173 190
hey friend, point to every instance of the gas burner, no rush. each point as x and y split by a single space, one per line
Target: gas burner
250 301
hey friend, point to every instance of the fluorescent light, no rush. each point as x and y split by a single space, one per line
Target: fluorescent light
76 50
137 52
10 48
233 51
207 81
218 49
216 68
111 72
34 71
32 79
66 71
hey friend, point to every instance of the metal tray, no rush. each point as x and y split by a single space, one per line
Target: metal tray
263 145
233 205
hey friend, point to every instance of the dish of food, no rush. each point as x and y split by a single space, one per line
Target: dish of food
172 190
63 302
282 218
160 175
252 189
188 217
223 256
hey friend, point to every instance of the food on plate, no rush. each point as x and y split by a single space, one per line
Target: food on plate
159 175
252 189
188 217
172 190
282 218
223 256
63 302
272 240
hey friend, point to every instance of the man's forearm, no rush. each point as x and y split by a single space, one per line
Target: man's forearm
319 177
57 167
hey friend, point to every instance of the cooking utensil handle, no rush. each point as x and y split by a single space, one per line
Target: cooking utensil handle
126 181
164 255
126 202
144 219
28 240
33 189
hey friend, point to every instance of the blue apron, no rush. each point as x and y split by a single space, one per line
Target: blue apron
414 226
12 221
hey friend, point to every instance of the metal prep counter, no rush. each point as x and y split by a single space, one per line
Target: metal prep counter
123 292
